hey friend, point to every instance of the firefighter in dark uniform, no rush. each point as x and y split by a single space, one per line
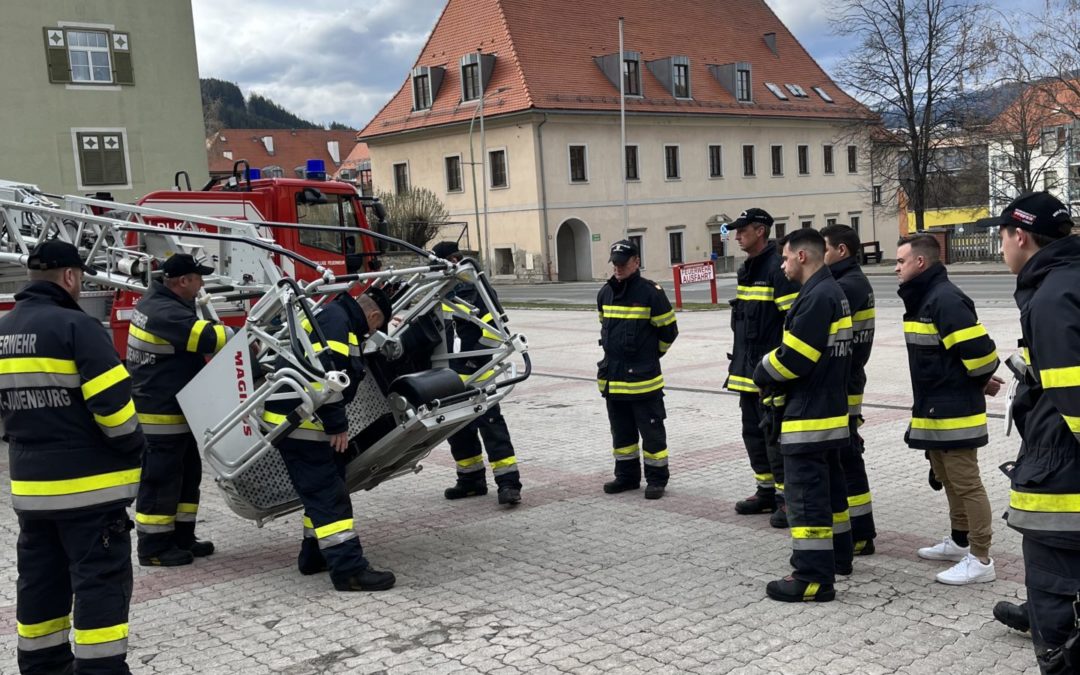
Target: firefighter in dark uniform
75 446
314 452
807 377
842 250
763 296
637 327
1039 247
168 345
952 361
491 426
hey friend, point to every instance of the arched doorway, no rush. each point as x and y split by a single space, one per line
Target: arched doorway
574 251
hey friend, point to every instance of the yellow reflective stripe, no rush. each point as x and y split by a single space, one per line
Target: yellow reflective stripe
117 418
148 519
948 423
811 533
784 302
601 384
275 418
791 340
755 292
219 333
483 378
663 454
664 346
1025 354
820 424
354 340
625 312
811 590
665 319
842 517
864 314
335 346
196 333
963 335
859 500
30 364
145 336
618 387
1057 378
854 399
96 636
1047 503
308 524
52 488
920 328
334 528
740 379
36 630
763 477
626 450
102 382
470 461
503 463
187 508
306 325
975 364
148 418
1073 422
835 326
780 368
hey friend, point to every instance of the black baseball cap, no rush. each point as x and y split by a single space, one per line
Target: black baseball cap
623 250
1035 212
53 254
382 300
752 217
180 264
445 249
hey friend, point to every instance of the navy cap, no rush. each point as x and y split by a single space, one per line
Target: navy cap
180 264
445 249
53 254
1035 212
623 250
382 300
752 217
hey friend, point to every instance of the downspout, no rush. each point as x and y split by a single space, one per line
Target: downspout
544 237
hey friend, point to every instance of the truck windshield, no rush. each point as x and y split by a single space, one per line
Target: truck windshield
338 211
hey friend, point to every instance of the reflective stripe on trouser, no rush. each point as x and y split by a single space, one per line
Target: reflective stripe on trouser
765 459
318 474
168 493
466 448
630 421
817 515
86 556
858 488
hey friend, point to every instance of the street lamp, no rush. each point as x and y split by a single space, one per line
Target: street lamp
483 166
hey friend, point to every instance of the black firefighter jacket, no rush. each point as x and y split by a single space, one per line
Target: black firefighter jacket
167 346
951 358
762 298
810 368
472 336
1043 503
860 297
637 327
65 398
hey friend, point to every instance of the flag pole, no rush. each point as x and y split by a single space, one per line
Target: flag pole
622 127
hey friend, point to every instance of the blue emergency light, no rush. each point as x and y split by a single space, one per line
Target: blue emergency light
316 169
254 174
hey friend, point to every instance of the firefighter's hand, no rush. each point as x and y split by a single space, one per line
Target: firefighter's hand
339 441
396 321
993 386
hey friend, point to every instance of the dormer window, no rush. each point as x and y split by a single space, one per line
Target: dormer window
425 85
475 74
682 80
742 83
776 90
673 72
735 78
821 92
631 71
796 90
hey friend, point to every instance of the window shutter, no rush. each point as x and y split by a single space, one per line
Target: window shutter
56 55
90 159
120 45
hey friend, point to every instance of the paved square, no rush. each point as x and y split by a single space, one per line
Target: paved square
577 581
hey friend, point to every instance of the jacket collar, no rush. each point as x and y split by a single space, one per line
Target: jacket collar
845 266
912 292
620 286
47 291
158 288
766 253
1064 251
815 279
357 318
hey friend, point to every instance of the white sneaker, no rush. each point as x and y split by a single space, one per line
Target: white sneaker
968 571
946 550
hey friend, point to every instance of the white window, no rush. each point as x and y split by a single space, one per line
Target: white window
470 81
716 161
675 246
421 83
579 164
854 220
453 173
89 55
639 241
796 90
632 163
498 174
824 97
742 84
777 152
401 177
779 93
681 80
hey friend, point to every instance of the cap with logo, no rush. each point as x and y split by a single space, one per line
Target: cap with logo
180 264
623 250
752 217
1035 212
53 254
445 249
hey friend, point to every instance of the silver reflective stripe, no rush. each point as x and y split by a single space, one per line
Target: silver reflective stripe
967 433
354 351
812 544
309 533
74 501
309 435
854 410
861 510
140 345
154 529
503 470
773 372
859 326
56 639
27 380
1039 520
793 437
842 527
123 430
185 517
766 483
988 368
1018 363
102 650
165 429
472 468
622 458
922 339
842 335
337 538
655 462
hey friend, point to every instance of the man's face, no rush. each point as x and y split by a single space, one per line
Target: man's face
73 278
834 254
748 236
1011 251
188 286
626 269
908 265
792 263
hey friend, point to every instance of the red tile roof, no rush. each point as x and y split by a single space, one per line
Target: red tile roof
545 59
292 148
1046 104
358 156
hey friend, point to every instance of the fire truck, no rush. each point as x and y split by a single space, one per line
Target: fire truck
281 248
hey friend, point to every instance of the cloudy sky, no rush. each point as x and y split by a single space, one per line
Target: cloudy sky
341 60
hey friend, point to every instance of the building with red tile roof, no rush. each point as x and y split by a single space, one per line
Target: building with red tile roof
356 168
725 110
284 150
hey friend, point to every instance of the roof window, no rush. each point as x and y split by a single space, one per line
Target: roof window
776 90
796 90
824 97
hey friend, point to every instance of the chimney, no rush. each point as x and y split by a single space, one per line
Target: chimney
770 40
268 143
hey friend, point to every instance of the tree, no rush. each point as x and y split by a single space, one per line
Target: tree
415 215
911 63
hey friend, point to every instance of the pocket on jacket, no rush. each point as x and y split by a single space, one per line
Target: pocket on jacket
927 364
639 371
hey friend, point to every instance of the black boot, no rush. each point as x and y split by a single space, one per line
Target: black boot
759 502
614 487
173 557
310 560
1012 615
779 517
790 589
368 580
198 547
864 547
463 489
509 495
654 491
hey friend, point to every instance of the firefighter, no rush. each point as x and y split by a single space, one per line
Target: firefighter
763 296
952 360
806 376
842 248
637 327
75 447
314 452
491 426
1039 247
167 346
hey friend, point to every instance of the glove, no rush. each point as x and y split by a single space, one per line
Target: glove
932 479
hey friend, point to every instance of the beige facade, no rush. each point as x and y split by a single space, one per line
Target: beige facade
543 225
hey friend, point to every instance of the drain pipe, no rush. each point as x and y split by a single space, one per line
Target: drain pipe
544 237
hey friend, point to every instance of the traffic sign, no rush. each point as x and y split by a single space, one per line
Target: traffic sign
723 229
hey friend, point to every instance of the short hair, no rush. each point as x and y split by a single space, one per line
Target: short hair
1042 240
54 275
923 244
843 234
805 239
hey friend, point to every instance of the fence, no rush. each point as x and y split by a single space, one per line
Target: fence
973 245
